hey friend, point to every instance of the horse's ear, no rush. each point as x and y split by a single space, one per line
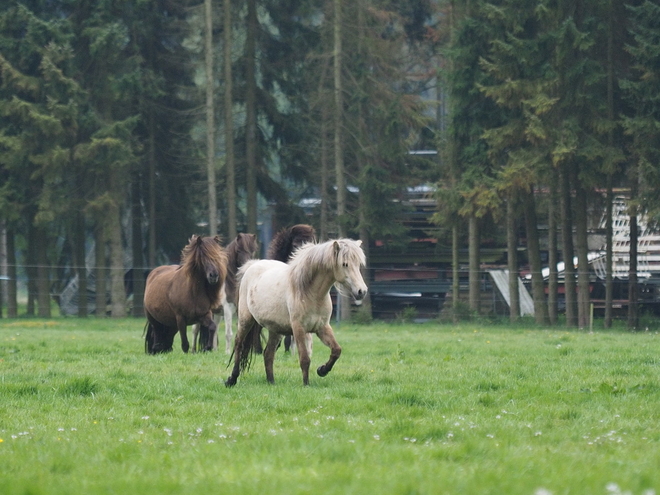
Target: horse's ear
218 239
359 242
336 247
199 240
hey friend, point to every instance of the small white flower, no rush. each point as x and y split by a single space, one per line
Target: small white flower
538 434
542 491
376 437
145 417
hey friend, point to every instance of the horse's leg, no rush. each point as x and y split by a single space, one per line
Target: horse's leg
327 336
195 334
303 355
269 354
211 328
181 327
227 310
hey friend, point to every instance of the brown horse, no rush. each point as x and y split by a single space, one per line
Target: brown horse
179 295
240 250
282 247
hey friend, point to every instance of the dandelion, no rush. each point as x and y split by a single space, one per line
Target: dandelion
1 440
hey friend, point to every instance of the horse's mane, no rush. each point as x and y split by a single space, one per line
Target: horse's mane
326 255
282 246
202 250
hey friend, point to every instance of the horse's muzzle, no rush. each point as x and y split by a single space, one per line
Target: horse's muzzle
359 294
213 278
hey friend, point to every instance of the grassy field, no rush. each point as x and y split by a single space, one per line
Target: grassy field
408 409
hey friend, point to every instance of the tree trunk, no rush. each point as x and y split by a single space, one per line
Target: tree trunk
3 266
338 117
474 283
137 248
567 248
79 262
151 256
455 271
117 269
100 270
31 271
230 193
43 273
364 237
584 299
553 277
633 315
512 259
609 231
609 234
251 116
534 256
12 290
325 197
210 119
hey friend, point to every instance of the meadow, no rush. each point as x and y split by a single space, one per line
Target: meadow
408 409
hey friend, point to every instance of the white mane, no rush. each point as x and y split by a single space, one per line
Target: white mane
309 258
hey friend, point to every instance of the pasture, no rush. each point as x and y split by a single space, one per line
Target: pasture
407 409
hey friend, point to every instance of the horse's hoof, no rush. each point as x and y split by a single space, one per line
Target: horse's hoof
321 371
230 383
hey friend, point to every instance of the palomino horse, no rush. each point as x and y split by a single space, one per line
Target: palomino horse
294 298
179 295
282 247
242 249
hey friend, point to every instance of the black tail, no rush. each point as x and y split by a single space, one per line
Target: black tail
249 346
203 340
148 338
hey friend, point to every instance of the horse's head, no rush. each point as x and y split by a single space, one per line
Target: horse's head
301 234
350 258
246 248
205 254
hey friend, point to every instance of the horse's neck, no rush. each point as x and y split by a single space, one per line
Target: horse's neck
320 283
201 288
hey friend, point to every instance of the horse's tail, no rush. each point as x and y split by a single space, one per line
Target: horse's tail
249 346
148 334
203 343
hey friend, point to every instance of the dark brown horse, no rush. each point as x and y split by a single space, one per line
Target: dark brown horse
287 240
179 295
241 249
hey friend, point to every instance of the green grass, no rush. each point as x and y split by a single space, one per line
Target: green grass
408 409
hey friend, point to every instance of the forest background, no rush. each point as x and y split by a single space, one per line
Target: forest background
128 125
